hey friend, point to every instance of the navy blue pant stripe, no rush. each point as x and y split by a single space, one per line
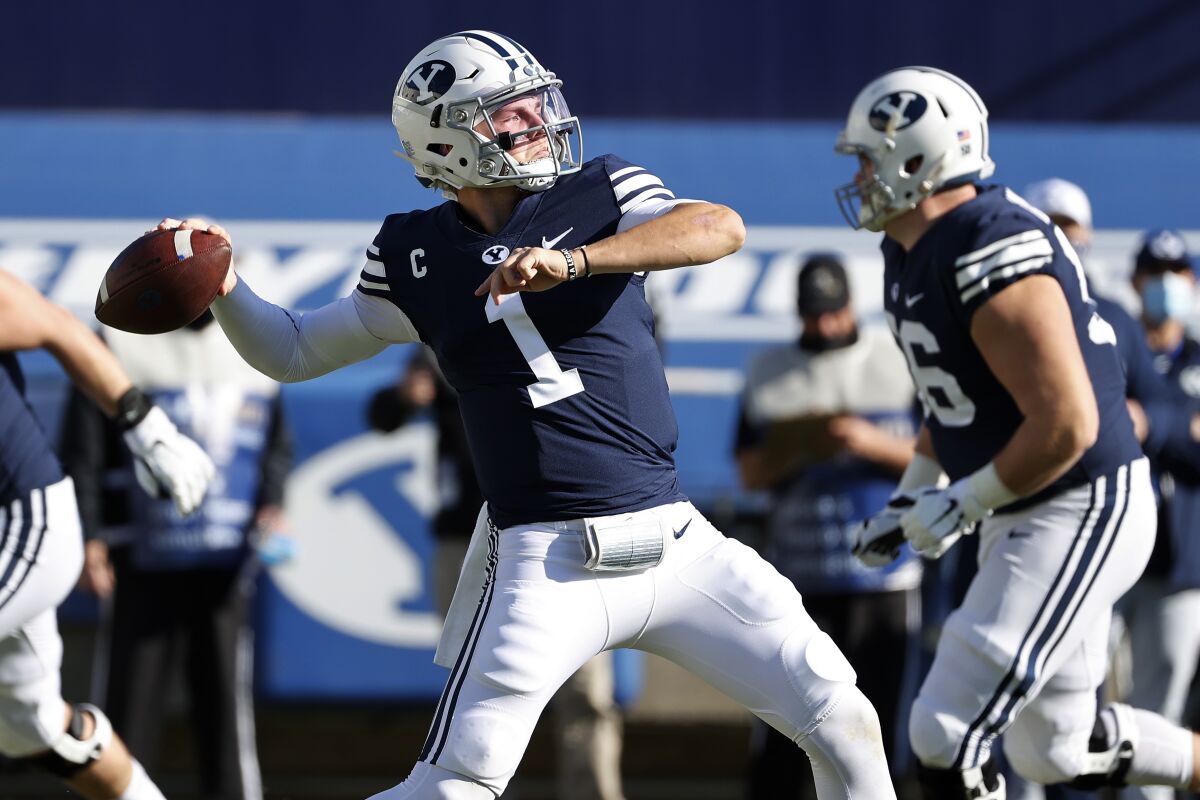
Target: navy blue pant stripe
40 533
1107 550
6 515
25 510
1073 592
449 698
1010 675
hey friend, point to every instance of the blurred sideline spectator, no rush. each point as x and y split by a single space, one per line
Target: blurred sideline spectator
826 425
586 718
178 591
1162 609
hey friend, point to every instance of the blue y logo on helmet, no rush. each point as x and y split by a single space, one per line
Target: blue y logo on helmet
909 106
428 82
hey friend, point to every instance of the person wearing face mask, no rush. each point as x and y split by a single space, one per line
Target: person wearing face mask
826 426
1160 611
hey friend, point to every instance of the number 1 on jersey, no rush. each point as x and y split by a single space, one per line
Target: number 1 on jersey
553 383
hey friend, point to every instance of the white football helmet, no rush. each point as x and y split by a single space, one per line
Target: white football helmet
443 111
922 129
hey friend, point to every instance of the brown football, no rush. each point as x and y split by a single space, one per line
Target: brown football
163 281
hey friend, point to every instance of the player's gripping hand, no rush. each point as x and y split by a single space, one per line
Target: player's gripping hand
939 518
878 539
167 463
527 269
197 224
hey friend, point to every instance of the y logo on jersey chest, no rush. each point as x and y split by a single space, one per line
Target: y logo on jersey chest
495 254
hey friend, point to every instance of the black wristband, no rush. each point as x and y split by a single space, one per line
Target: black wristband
587 264
132 408
571 273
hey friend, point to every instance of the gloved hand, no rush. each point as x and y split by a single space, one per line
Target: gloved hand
167 463
939 517
878 539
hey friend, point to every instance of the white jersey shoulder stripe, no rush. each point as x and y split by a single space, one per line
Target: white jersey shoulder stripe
645 197
1004 274
621 173
994 247
375 269
373 285
1012 254
632 184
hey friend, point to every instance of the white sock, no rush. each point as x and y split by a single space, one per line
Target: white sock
140 786
1162 751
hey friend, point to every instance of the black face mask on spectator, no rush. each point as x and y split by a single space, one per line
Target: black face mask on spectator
815 343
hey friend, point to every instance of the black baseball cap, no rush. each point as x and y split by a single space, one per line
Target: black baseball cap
822 285
1162 250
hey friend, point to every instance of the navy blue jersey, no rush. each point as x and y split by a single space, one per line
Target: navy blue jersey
1176 467
967 256
562 392
27 461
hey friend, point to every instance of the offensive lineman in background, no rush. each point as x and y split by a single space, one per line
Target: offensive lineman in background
1017 374
41 543
590 542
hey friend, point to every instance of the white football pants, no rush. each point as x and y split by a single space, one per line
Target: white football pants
1027 648
713 606
41 555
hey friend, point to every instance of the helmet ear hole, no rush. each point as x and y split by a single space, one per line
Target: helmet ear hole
912 165
440 148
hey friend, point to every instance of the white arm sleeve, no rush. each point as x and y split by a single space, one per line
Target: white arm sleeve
647 211
290 347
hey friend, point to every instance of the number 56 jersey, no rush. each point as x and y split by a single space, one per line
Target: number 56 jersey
930 295
562 392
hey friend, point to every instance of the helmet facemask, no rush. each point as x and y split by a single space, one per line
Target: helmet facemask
528 139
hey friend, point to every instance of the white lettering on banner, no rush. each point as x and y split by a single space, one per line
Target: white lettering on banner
749 296
351 571
35 264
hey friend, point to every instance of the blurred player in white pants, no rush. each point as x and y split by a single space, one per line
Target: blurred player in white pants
1018 375
41 544
529 288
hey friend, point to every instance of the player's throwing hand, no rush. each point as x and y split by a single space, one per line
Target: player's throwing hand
527 269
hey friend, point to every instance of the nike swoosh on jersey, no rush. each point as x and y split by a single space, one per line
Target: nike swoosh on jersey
682 530
912 300
549 243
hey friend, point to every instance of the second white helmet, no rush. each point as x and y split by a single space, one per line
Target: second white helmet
444 107
921 129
